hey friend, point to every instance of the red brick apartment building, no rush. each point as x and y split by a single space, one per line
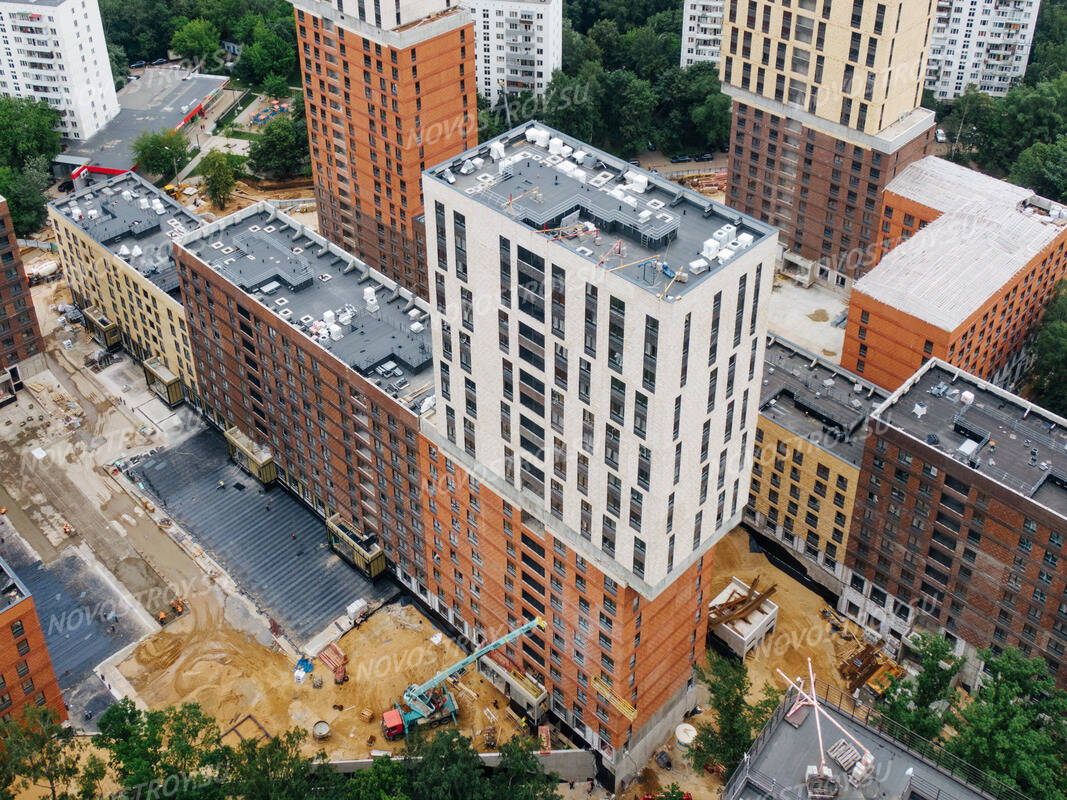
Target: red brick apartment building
26 674
20 337
386 93
967 263
960 518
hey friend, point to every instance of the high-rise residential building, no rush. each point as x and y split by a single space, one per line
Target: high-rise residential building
960 519
26 673
519 44
20 336
54 50
985 44
702 31
813 422
968 263
598 337
315 367
389 89
114 243
825 113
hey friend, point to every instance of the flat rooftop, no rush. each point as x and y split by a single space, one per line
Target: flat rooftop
609 211
817 400
1014 442
135 221
12 590
161 99
788 750
988 232
354 313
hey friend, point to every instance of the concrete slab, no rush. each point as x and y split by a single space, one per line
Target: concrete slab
273 545
804 317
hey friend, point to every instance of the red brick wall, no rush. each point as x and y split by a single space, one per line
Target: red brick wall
35 662
367 163
20 336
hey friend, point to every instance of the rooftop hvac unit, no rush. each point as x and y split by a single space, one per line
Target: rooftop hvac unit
448 176
124 251
746 239
698 266
335 333
725 254
710 249
555 145
93 213
285 313
136 251
344 318
416 327
496 149
566 151
414 313
328 317
143 203
467 168
478 162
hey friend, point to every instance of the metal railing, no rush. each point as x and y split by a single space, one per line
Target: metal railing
923 749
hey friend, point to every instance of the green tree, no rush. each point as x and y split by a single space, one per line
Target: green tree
152 746
519 775
924 704
627 107
385 780
446 767
274 768
196 40
219 177
24 190
1043 168
120 67
737 721
281 150
27 130
275 85
161 152
1049 371
268 53
1015 727
672 792
1048 51
970 124
45 754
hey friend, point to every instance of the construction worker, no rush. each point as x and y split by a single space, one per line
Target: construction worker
179 608
222 484
162 617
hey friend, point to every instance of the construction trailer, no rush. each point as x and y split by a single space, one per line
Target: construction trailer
432 703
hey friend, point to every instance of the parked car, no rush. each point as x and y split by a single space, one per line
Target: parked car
635 162
66 186
705 157
939 136
138 64
680 159
159 61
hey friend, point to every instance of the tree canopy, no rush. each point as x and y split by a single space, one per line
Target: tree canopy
177 753
196 40
161 152
281 150
24 191
219 177
737 720
924 704
1049 370
27 130
1015 727
621 87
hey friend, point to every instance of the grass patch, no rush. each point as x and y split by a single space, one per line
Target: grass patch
236 134
246 100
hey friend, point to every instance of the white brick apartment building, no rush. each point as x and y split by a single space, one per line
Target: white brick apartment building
701 31
600 335
519 44
980 42
54 50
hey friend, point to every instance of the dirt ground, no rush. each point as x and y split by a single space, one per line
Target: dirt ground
801 632
222 657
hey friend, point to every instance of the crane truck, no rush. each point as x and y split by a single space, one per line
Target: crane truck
431 704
